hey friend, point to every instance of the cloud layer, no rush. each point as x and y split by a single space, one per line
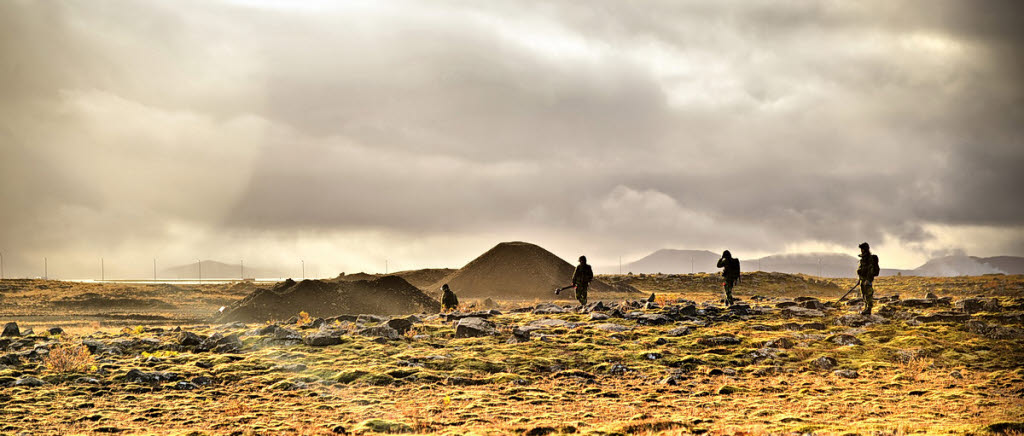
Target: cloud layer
425 133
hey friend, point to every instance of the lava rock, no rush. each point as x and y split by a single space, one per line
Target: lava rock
381 331
846 373
845 339
401 325
785 343
189 339
826 363
716 341
474 327
325 338
680 331
653 319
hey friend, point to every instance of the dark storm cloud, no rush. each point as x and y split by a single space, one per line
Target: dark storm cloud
754 124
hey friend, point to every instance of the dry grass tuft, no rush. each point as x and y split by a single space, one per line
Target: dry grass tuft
69 357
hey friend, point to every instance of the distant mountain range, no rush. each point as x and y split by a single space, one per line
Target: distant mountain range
670 261
212 269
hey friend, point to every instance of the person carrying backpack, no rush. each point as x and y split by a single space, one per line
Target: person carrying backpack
867 271
731 273
581 279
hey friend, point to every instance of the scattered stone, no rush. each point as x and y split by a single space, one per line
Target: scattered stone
189 339
680 331
53 331
653 319
784 343
596 306
826 363
716 341
402 325
326 338
31 382
845 339
474 327
813 304
611 327
286 334
956 374
993 331
786 304
931 296
974 305
800 312
11 329
185 386
11 359
548 309
381 331
384 426
846 373
594 316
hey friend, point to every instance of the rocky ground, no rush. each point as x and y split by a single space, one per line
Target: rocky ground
946 363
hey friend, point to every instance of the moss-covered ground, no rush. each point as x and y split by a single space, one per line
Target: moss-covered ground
902 375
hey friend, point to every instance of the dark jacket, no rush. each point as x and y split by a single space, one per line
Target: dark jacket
583 275
449 299
732 267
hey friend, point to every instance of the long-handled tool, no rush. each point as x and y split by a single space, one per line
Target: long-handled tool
559 290
851 290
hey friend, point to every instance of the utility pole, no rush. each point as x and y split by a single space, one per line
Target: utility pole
46 267
385 266
303 269
154 269
241 269
819 267
620 265
199 264
103 275
1 266
759 264
691 264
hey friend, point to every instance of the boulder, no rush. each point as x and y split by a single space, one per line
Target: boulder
611 327
323 338
401 325
189 339
974 305
681 331
801 312
474 327
785 343
716 341
653 319
826 363
845 339
55 331
381 331
31 382
846 373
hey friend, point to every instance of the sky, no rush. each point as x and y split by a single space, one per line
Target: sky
350 134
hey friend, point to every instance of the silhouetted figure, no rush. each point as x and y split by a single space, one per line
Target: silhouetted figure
581 279
867 271
448 300
731 273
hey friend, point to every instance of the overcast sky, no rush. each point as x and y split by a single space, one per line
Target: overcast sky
347 133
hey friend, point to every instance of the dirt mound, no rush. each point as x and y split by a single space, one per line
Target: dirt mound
517 270
425 278
388 295
356 277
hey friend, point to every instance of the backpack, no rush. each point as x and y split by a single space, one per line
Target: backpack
732 269
875 270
